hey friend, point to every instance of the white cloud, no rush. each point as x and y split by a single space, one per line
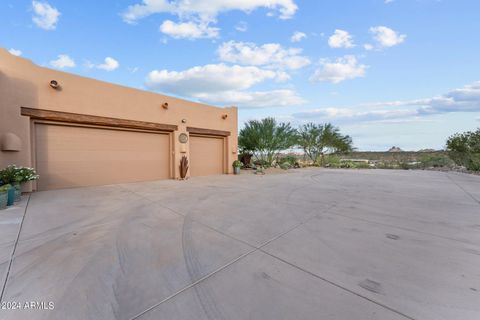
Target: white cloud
109 64
45 16
196 17
206 10
63 61
388 1
15 52
368 46
242 26
466 99
341 39
188 30
298 36
271 55
386 37
341 69
256 99
222 84
209 78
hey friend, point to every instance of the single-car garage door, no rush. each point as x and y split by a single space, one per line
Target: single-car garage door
71 156
206 155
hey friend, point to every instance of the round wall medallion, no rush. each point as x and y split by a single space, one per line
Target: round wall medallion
183 138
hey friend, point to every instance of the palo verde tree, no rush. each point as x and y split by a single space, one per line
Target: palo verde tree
266 138
318 139
464 149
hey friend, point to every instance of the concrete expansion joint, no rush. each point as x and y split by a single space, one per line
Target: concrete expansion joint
12 256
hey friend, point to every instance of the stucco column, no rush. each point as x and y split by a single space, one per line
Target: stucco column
180 150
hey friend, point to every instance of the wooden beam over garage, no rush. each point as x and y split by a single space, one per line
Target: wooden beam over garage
208 132
68 117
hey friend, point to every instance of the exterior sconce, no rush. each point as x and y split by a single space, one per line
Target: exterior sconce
184 120
54 84
10 142
225 116
165 105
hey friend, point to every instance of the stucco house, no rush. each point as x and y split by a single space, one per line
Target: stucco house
78 131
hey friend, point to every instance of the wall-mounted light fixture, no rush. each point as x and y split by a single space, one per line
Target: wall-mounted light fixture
165 105
184 120
54 84
225 116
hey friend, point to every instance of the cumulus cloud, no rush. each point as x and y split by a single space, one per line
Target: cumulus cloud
341 39
196 16
271 55
386 37
45 16
256 99
188 30
220 83
206 9
341 69
109 64
15 52
209 78
298 36
63 61
466 99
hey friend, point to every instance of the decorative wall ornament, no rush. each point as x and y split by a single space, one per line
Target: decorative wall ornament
183 167
183 138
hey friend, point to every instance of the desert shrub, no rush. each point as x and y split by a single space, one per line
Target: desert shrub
362 165
464 149
285 166
290 159
261 163
331 161
435 161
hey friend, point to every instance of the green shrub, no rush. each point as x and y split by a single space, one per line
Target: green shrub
435 161
464 149
285 166
291 160
261 163
331 161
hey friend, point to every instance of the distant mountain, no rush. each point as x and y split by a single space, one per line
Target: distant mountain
395 149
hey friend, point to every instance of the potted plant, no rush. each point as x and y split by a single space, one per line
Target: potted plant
4 196
16 176
8 177
23 175
236 166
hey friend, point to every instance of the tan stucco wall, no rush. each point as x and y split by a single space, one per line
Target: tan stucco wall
24 84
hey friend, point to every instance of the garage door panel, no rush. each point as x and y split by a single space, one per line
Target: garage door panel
69 156
206 155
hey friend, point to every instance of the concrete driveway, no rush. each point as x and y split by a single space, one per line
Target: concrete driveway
308 244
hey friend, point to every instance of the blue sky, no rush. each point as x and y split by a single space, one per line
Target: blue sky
401 72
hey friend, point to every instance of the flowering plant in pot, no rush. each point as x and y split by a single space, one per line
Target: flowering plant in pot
16 176
236 166
4 195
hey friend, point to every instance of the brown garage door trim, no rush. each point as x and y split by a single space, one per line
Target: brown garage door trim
208 132
50 115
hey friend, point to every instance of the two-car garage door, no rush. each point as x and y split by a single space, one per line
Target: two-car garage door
70 156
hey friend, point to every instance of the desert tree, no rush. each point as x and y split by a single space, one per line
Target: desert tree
266 138
318 139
